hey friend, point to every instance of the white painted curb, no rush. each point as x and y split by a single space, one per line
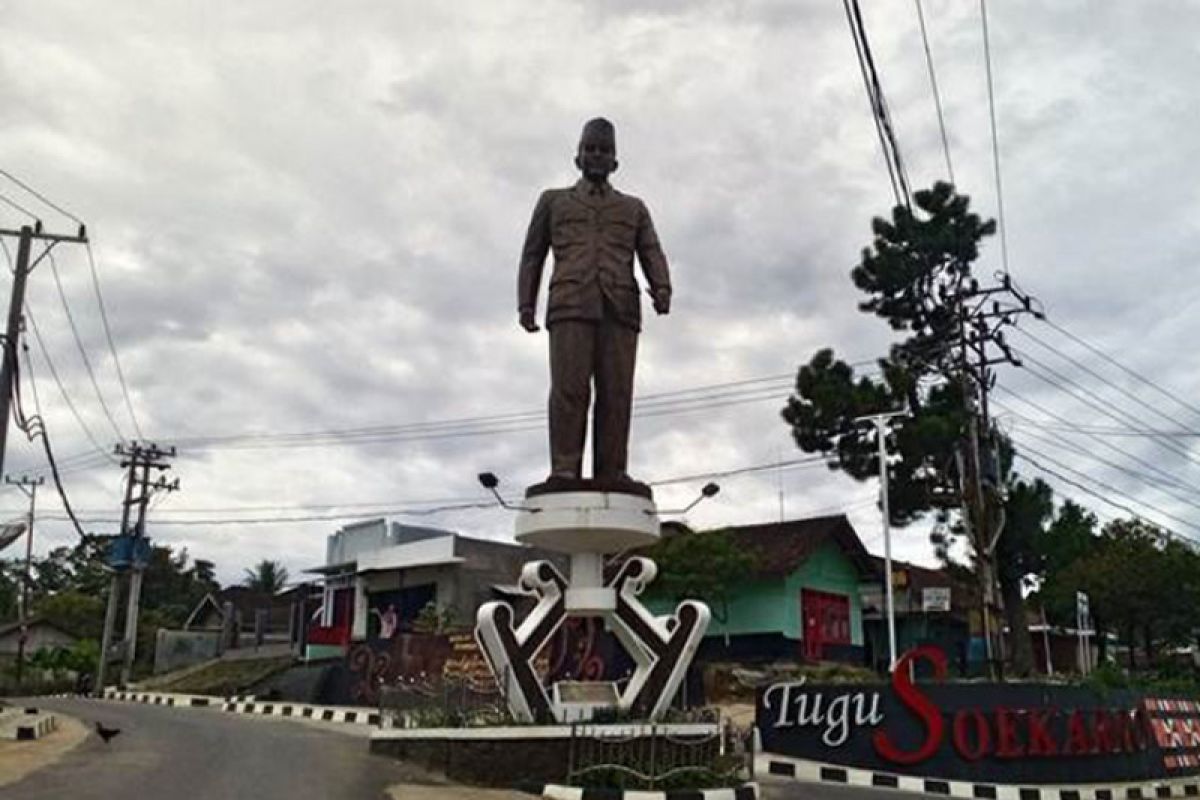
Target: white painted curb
818 772
242 705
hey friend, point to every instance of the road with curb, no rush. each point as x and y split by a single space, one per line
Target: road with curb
206 753
165 753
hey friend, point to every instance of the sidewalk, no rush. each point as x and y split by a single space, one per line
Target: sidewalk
18 759
422 785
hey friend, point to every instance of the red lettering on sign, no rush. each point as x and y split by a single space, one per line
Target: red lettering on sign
1041 743
963 722
1007 745
918 704
1104 732
1078 741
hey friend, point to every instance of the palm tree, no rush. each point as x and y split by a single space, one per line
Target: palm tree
267 576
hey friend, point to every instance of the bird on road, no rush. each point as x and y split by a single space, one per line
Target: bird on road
106 733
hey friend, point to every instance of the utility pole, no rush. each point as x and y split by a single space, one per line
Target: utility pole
22 268
147 457
880 421
140 459
114 583
29 486
982 313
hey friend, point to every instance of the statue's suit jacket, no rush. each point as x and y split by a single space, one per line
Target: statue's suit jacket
594 235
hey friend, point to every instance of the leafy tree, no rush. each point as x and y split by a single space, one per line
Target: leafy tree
70 589
10 587
173 588
267 576
704 565
1068 538
75 612
918 265
1027 509
1140 583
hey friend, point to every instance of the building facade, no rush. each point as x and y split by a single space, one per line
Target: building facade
802 600
380 576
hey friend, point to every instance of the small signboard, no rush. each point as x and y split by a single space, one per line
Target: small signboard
935 598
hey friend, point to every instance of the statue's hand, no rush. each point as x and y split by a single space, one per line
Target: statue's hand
528 321
662 301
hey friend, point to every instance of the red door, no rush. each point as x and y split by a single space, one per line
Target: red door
826 621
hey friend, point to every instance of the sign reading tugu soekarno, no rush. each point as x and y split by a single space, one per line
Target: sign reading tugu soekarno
1007 733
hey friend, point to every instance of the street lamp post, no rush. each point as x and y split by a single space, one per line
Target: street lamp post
880 422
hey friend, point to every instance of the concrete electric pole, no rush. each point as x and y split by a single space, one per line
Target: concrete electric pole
22 268
140 459
29 486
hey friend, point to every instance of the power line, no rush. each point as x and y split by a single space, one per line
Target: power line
45 437
37 335
1104 430
739 390
937 98
1105 486
1098 403
879 108
95 285
987 58
1157 387
786 464
8 201
40 196
457 505
1105 499
1162 474
112 348
87 362
1140 476
1099 377
467 427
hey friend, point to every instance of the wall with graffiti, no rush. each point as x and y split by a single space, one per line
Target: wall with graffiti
581 650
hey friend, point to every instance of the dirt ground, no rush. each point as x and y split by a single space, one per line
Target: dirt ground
18 759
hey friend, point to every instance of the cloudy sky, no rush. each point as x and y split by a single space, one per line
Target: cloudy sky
306 217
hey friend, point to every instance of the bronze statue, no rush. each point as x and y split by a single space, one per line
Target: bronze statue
594 313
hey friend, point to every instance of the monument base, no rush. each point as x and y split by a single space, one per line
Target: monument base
624 485
588 521
662 647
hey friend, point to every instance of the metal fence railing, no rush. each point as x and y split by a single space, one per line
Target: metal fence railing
650 756
442 703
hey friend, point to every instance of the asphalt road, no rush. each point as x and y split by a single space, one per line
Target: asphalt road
787 789
200 754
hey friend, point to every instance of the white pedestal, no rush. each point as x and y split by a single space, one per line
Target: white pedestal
588 522
588 525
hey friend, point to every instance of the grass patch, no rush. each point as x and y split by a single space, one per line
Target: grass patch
222 678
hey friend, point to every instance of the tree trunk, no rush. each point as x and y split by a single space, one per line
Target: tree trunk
1148 638
1018 625
1101 640
1131 640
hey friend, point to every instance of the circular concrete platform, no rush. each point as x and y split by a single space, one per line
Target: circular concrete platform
588 522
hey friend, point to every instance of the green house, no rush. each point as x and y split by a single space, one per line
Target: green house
802 601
